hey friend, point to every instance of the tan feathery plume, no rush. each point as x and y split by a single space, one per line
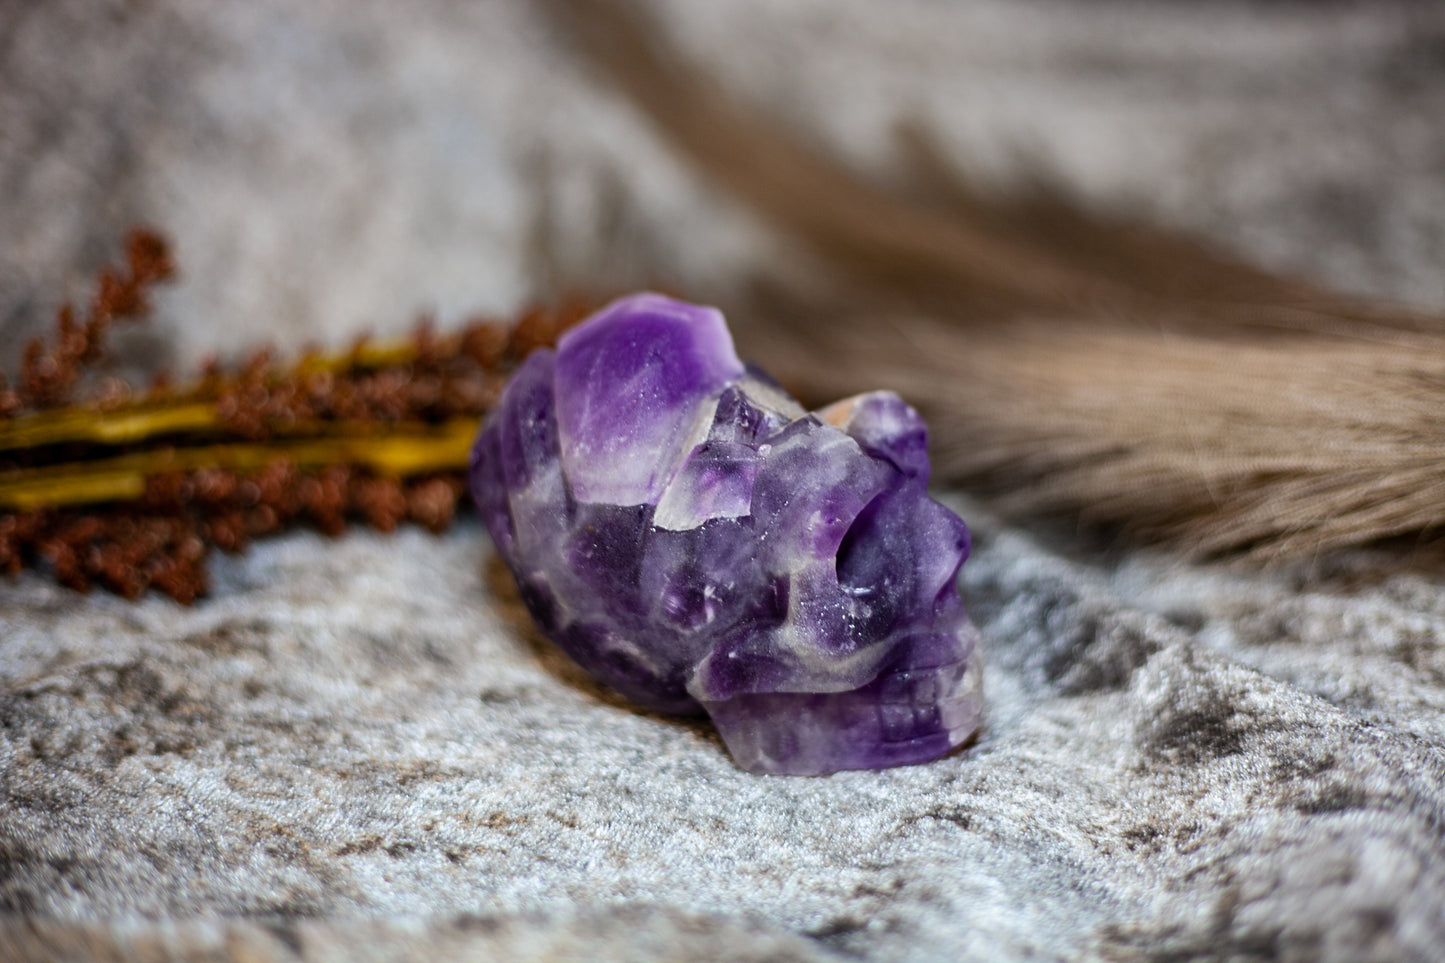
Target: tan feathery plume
1068 363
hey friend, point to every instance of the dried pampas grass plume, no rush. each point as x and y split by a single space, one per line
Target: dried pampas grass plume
1116 372
1220 445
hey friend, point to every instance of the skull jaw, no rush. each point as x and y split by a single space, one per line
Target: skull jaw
903 717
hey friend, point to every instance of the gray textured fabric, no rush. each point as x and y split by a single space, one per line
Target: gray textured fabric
358 748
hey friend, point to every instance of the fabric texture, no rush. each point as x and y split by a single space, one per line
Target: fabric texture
359 749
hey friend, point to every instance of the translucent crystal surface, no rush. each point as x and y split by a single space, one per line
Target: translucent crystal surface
694 539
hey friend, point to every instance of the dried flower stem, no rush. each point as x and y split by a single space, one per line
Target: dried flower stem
397 454
132 494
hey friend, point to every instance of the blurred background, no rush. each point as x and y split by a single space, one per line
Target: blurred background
1229 198
328 167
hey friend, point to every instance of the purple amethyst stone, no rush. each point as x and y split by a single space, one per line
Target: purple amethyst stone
697 541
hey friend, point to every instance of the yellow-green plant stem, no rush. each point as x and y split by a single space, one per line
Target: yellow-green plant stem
120 426
136 421
396 452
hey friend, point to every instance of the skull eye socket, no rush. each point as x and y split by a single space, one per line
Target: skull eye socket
861 561
873 565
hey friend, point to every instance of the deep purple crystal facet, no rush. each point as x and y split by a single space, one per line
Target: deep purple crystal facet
694 539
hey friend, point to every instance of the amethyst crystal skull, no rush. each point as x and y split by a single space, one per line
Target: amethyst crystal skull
694 539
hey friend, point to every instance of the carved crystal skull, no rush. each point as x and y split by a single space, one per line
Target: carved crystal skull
694 539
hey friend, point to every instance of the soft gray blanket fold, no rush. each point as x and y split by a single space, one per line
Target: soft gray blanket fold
358 749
